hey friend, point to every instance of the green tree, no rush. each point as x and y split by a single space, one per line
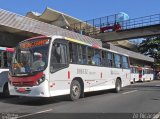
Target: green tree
151 47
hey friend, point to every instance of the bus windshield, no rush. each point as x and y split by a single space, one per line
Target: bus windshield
30 56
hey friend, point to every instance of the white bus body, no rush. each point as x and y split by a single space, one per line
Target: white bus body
5 55
134 74
61 78
3 79
145 74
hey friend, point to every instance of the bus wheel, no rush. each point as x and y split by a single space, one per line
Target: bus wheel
75 90
133 80
143 80
118 86
6 91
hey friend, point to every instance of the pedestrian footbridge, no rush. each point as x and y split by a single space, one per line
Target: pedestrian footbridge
140 32
110 28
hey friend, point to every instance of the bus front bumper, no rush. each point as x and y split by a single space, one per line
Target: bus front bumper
34 91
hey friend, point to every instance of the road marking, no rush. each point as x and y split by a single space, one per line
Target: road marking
157 85
130 92
156 116
34 113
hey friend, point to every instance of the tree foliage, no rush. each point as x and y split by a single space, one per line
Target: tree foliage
151 47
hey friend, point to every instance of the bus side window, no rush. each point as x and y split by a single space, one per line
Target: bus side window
84 55
104 58
79 48
125 62
109 59
96 59
58 56
131 69
4 60
117 61
9 56
73 52
90 56
0 59
135 70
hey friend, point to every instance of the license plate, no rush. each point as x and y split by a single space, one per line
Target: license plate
21 90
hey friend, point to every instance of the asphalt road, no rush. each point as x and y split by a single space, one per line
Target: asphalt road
140 100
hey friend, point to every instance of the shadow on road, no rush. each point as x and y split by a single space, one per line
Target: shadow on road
156 99
97 93
34 101
143 88
2 97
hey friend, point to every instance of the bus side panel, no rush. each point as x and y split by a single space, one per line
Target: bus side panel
134 76
94 78
126 77
3 78
59 83
137 77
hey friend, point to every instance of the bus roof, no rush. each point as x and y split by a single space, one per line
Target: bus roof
36 37
93 45
77 41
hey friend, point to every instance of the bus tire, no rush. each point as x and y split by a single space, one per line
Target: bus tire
6 90
134 81
118 86
143 80
75 90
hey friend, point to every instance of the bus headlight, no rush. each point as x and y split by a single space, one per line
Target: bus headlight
39 81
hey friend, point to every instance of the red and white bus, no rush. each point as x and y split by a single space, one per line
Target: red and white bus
48 66
145 74
134 74
5 58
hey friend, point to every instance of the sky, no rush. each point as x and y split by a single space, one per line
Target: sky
85 9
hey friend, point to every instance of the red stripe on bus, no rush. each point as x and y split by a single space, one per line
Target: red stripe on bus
101 75
69 75
95 46
10 49
28 80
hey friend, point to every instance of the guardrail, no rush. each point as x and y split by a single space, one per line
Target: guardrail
112 23
141 22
